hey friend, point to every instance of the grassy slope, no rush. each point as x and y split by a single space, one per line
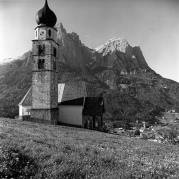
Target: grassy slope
66 152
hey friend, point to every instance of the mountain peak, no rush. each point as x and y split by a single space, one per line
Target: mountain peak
113 44
118 52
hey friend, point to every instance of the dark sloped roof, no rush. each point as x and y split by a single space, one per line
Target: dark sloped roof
75 102
27 99
93 106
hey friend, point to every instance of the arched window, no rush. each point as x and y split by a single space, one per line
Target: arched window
36 33
41 64
49 33
41 49
54 64
54 52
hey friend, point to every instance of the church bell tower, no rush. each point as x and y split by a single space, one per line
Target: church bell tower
44 68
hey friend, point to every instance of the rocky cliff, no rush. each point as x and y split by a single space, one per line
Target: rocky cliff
118 71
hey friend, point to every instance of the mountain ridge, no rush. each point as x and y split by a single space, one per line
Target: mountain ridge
118 71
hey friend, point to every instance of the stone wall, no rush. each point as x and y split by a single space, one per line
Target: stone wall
49 116
44 90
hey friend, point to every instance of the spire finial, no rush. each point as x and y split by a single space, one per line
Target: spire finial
46 2
46 16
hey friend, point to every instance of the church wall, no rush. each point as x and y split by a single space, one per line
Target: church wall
44 91
47 47
49 63
24 110
69 114
49 116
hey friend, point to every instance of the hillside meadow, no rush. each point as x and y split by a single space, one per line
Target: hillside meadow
31 150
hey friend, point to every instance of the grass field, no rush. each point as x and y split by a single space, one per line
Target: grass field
30 150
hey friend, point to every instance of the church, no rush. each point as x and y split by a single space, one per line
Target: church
48 101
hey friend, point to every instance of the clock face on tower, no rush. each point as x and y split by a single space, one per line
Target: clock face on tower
42 34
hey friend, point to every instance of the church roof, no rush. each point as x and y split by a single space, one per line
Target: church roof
93 106
74 102
27 99
74 93
66 91
74 89
46 16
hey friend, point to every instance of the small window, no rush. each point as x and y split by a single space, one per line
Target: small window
54 64
54 52
36 33
49 33
41 49
41 64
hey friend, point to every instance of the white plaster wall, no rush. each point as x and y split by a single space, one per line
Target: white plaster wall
61 87
70 114
24 111
20 110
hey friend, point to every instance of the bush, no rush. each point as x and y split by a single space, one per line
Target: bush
136 132
168 134
107 126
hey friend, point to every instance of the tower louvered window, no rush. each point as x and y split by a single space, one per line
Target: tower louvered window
41 64
41 49
54 52
54 64
49 33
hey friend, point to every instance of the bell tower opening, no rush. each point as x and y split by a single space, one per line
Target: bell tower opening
49 33
41 64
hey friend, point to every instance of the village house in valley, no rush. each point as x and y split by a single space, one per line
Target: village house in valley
73 102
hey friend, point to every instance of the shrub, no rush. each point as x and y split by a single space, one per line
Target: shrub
168 134
107 126
137 132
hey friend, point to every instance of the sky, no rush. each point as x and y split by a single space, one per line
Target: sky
151 24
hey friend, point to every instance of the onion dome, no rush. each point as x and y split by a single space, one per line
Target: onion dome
46 16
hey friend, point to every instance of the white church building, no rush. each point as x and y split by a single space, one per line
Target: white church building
76 105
